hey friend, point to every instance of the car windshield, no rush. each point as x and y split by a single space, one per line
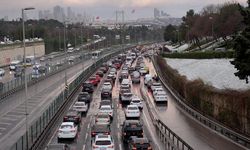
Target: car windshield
136 101
66 126
132 108
105 108
103 142
102 116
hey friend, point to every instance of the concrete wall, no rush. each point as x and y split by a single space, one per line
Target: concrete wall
15 52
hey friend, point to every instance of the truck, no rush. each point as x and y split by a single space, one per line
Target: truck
81 107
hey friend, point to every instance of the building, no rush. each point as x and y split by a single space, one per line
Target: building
59 14
156 13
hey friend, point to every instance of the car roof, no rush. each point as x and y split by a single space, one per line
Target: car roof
102 137
67 123
140 140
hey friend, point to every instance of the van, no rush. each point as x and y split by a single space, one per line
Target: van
148 78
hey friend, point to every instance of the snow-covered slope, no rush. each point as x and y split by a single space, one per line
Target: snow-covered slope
179 49
216 72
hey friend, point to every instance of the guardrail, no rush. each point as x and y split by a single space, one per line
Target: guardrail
212 124
39 129
170 139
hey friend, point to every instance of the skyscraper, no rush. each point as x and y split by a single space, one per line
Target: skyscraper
59 14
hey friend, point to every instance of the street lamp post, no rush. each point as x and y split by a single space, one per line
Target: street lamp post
212 26
25 79
65 50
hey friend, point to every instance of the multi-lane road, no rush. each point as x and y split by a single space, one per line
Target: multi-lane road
12 118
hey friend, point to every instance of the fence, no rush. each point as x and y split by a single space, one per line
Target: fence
39 129
170 140
219 128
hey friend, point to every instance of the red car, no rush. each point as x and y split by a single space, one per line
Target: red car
98 78
118 65
93 81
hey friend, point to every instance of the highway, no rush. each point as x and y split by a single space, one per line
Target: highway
83 141
40 95
12 118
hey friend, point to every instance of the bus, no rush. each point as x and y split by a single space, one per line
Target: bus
96 54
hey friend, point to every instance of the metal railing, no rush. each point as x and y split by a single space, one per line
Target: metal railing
212 124
170 139
38 130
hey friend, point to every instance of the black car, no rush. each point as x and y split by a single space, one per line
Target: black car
139 143
18 73
131 69
100 73
106 94
87 87
100 129
84 97
131 128
72 116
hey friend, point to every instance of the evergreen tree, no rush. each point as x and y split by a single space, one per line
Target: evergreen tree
242 47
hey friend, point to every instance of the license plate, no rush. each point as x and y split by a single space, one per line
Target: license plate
102 148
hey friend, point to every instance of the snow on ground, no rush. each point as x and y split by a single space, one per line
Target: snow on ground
216 72
179 49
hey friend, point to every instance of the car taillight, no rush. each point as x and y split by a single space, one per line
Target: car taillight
106 133
60 131
96 120
134 148
73 131
124 133
95 146
111 146
93 133
150 148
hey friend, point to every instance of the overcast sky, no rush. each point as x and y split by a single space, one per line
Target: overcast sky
106 8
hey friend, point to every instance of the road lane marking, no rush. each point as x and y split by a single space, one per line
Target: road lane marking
11 119
120 146
86 137
5 123
88 126
83 147
2 128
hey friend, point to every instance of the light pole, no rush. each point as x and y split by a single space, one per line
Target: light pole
25 79
65 50
212 26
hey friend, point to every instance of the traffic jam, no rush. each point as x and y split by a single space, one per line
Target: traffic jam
107 111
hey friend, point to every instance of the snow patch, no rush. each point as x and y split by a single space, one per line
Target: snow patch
216 72
178 49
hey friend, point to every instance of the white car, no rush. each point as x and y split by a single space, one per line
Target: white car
132 111
157 90
42 59
67 130
103 142
2 72
160 97
107 86
106 109
102 118
136 101
80 107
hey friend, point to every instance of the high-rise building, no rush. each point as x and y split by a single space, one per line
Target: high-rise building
156 13
40 15
59 14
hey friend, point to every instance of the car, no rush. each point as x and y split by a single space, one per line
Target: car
106 102
18 73
136 143
143 71
107 109
136 77
104 69
111 76
81 107
98 129
131 128
131 70
87 87
72 116
132 111
67 130
160 97
2 72
125 83
100 73
42 70
98 78
126 98
106 94
124 75
155 85
102 118
107 86
158 90
117 65
103 142
110 81
136 101
42 59
93 81
84 97
113 71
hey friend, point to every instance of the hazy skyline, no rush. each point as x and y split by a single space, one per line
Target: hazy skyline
106 8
